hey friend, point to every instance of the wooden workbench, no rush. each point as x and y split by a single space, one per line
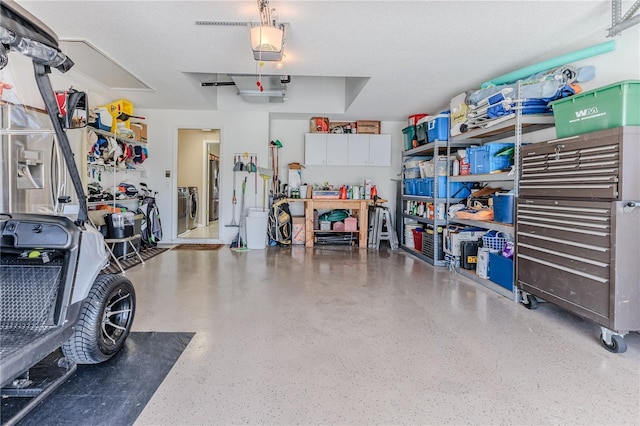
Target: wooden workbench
362 206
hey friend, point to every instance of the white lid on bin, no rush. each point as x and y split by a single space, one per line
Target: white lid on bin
433 117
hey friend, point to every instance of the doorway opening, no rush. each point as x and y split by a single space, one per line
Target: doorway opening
198 184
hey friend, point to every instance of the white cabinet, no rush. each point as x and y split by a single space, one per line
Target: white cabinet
358 150
380 150
321 150
337 150
328 149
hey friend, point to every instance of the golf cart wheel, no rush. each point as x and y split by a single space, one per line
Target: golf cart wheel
105 321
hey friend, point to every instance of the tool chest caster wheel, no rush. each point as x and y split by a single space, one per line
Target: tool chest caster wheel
529 301
617 345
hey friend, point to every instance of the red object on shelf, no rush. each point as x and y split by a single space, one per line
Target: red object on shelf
417 239
413 119
343 192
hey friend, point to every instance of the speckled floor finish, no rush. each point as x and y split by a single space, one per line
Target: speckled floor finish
340 336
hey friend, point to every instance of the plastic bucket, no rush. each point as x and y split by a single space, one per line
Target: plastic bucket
503 206
256 212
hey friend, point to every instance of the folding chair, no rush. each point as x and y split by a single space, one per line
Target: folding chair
98 219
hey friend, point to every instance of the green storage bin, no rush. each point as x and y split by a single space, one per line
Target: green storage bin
604 108
409 135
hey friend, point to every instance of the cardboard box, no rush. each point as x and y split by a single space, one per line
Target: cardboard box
368 127
298 230
453 235
342 127
139 131
351 224
319 125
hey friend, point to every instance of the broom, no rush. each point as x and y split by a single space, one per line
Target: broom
265 174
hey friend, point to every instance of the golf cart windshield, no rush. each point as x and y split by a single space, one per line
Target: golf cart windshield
39 173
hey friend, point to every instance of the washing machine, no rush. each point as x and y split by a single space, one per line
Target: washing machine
183 201
192 207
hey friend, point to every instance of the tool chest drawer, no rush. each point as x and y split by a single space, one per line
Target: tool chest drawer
581 255
566 247
598 165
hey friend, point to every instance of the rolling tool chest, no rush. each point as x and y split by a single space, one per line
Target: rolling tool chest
578 228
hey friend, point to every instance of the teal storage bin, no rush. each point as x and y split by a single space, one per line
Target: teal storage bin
501 270
409 135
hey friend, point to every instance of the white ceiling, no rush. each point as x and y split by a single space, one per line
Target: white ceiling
406 56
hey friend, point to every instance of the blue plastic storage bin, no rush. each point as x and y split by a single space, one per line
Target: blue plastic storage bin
501 270
410 186
423 186
456 189
503 207
438 128
483 159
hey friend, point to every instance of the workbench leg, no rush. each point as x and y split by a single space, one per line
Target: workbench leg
363 214
308 223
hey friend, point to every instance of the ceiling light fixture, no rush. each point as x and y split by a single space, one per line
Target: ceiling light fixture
267 39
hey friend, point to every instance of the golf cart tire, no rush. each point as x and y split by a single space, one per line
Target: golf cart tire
105 321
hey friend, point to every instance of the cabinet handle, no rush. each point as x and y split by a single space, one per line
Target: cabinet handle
564 268
565 255
563 228
564 241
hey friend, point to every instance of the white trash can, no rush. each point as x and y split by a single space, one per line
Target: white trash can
256 223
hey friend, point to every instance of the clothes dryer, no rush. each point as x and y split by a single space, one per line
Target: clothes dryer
192 207
183 201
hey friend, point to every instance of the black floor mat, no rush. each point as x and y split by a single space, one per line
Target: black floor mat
112 393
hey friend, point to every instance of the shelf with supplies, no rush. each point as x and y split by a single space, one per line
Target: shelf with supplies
117 137
436 222
507 228
485 146
485 177
423 200
505 129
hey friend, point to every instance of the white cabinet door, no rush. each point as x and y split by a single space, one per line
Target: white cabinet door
380 150
337 149
315 149
358 150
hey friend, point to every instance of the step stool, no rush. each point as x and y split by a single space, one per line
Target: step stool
381 219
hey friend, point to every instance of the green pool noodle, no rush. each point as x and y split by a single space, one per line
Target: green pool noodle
588 52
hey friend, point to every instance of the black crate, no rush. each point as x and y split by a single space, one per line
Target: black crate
428 243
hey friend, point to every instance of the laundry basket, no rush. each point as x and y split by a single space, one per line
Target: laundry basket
494 240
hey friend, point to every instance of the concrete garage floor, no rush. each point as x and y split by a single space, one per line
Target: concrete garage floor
348 336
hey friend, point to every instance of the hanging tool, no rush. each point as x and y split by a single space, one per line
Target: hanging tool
265 174
234 199
237 165
255 183
124 117
243 222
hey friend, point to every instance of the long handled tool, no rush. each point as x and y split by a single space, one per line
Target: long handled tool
265 174
234 200
243 222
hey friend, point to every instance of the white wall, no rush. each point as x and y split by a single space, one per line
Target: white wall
239 132
291 134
